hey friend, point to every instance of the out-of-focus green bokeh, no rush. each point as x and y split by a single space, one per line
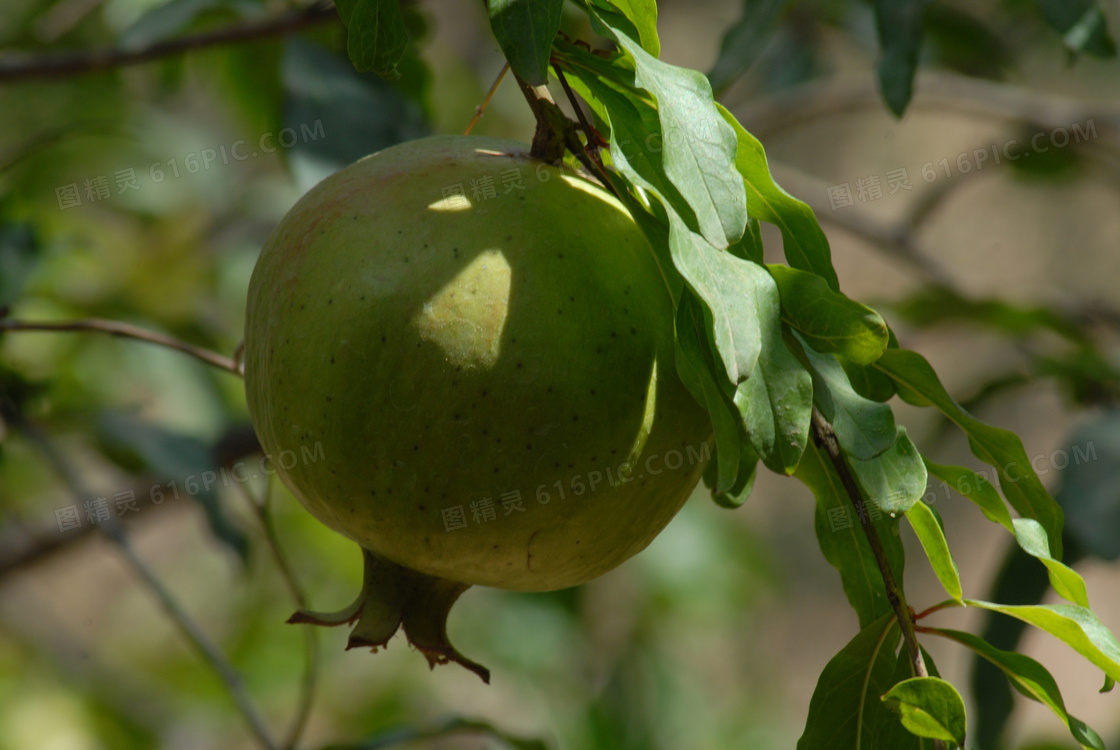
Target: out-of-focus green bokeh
143 194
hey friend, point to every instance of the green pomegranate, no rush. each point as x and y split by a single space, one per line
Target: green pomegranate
480 348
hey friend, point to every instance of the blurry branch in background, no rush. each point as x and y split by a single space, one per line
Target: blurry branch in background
22 547
262 509
936 91
124 330
115 532
898 239
23 67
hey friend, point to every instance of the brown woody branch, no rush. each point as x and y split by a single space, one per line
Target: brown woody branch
825 438
15 68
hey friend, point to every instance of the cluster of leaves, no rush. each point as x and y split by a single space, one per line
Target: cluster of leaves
763 345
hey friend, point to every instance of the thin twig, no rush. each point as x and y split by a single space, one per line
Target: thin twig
128 331
486 101
263 511
825 437
935 91
592 153
115 532
15 68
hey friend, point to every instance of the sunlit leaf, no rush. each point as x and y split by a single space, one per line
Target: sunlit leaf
996 447
929 707
1075 625
927 526
1031 679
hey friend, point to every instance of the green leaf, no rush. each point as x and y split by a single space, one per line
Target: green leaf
965 41
900 27
828 320
1076 625
698 146
896 478
1089 493
1031 679
138 445
845 706
744 41
776 402
864 428
635 127
927 526
734 291
976 488
1066 581
375 34
744 483
929 707
803 240
696 374
641 16
996 447
869 382
842 540
1081 24
344 114
525 30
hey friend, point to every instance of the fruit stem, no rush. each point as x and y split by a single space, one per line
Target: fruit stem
549 140
394 597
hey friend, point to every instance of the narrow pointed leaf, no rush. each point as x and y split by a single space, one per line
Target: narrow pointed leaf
1075 625
1066 581
996 447
900 26
744 41
924 521
976 488
1031 679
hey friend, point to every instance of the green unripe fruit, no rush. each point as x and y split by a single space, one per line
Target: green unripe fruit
482 346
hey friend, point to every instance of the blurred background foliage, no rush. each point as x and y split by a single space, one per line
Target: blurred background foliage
143 193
